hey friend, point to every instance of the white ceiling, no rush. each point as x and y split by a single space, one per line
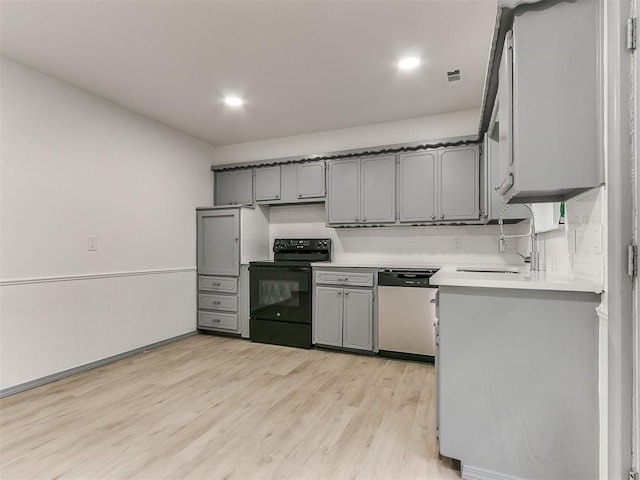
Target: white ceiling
302 66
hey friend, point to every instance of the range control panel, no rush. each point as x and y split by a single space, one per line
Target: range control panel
302 245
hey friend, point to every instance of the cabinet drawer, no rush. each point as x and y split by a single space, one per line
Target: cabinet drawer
222 321
228 303
218 284
345 278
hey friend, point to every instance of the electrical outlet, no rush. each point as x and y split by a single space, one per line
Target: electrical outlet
92 244
457 245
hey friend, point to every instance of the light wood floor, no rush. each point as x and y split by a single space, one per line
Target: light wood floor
219 408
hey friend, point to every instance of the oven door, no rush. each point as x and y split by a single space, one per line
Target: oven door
280 293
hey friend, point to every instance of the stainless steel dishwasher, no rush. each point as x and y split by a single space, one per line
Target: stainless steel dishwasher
407 314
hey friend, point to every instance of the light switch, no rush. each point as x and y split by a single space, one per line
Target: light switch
92 244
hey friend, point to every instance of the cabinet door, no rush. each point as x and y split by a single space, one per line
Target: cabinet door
459 188
328 320
358 319
218 242
344 192
224 188
243 187
311 180
378 190
288 183
268 183
417 174
505 113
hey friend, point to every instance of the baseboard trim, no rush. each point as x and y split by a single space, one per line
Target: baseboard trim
89 366
93 276
473 473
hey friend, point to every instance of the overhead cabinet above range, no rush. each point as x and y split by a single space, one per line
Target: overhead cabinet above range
290 183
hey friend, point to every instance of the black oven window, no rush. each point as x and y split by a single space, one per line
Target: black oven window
279 292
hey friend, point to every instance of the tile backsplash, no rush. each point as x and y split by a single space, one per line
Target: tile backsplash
432 245
579 248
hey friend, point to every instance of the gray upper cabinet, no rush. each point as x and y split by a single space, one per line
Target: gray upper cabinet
234 187
267 183
344 192
290 183
378 203
416 181
361 191
218 242
439 185
551 72
493 201
358 325
311 180
459 186
224 188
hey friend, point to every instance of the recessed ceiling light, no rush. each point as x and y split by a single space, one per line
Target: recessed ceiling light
408 63
233 101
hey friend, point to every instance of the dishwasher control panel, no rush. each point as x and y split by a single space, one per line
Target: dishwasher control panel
405 278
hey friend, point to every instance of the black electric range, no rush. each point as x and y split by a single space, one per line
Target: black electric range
280 292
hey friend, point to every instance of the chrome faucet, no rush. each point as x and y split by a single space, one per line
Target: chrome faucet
533 257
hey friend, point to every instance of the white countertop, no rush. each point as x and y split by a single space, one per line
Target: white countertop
450 276
398 266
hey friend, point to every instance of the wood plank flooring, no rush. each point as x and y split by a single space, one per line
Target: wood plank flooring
212 407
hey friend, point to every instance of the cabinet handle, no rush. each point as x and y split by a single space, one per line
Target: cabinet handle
346 293
299 195
357 219
215 284
216 320
277 196
339 292
433 217
364 219
216 303
496 188
442 215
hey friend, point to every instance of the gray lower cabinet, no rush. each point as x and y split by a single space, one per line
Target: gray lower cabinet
361 191
518 381
234 187
222 259
218 303
344 309
328 321
439 185
344 318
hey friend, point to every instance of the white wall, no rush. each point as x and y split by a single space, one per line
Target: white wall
74 165
431 128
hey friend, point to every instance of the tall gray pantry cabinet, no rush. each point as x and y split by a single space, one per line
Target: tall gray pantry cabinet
228 238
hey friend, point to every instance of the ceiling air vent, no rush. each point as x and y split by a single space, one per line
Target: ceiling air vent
453 76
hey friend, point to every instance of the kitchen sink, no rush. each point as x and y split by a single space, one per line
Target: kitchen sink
489 269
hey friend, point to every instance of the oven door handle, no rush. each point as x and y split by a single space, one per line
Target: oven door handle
276 267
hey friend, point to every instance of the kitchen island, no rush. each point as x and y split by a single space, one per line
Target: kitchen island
518 374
